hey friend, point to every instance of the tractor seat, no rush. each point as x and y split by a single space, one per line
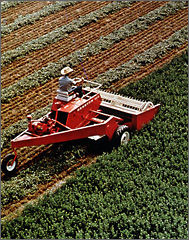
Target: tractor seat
65 96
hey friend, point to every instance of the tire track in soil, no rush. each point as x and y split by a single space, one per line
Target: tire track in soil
41 96
48 24
34 61
23 9
11 210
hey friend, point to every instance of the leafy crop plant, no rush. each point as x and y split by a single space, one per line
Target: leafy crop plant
135 192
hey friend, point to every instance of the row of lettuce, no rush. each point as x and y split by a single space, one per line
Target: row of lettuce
135 192
62 32
52 70
31 18
5 5
112 75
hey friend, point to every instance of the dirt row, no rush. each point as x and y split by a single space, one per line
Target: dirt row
49 23
52 53
23 9
158 63
120 53
11 210
127 49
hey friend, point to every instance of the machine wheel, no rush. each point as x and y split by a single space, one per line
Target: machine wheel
7 166
121 135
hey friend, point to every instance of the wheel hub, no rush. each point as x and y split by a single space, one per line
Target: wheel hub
125 138
11 166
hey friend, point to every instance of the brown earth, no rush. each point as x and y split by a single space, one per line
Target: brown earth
53 52
120 53
146 70
49 23
23 9
123 51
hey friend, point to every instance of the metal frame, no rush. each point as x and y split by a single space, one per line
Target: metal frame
99 114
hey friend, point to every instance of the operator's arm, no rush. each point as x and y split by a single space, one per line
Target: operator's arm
79 81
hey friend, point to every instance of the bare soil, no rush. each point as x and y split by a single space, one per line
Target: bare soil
120 53
23 9
49 23
53 52
40 97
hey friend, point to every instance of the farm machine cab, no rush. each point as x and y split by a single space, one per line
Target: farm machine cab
96 114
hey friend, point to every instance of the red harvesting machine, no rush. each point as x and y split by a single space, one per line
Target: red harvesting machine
96 114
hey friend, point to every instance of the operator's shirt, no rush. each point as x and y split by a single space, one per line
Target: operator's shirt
65 83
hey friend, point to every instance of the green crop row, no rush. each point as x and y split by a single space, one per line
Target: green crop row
147 57
52 70
138 191
113 75
33 17
5 5
60 33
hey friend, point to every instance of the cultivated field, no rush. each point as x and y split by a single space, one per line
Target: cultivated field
115 42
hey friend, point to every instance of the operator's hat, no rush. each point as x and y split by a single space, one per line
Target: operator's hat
66 70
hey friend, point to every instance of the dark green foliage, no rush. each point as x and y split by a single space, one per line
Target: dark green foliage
57 159
136 192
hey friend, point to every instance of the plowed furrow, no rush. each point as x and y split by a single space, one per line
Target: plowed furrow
124 51
23 9
49 23
40 94
34 61
146 70
120 53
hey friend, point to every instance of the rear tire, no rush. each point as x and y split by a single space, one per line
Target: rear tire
121 136
6 166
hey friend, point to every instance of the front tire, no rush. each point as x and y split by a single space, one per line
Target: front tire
7 167
121 136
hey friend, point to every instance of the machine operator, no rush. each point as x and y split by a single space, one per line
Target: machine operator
70 85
